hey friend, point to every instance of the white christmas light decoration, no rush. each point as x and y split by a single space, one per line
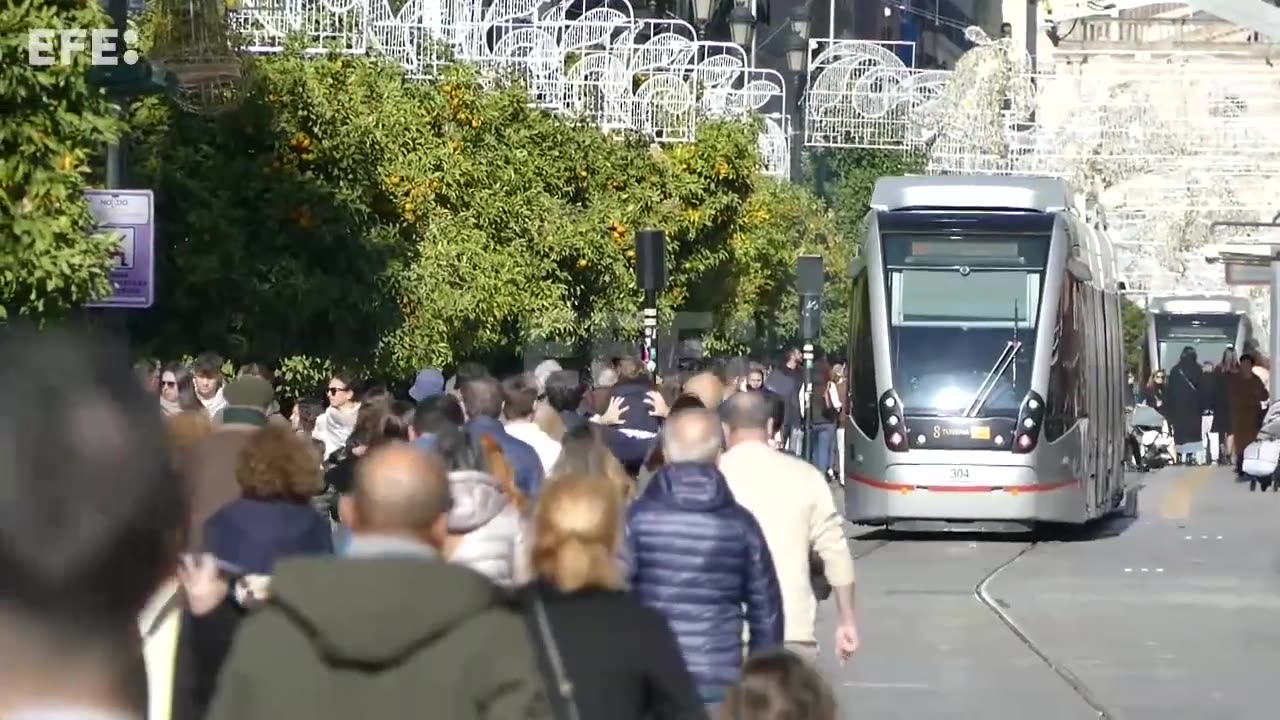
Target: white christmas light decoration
652 76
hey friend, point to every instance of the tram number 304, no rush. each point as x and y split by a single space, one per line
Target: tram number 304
959 473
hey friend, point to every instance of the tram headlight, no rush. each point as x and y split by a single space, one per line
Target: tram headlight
893 420
1030 420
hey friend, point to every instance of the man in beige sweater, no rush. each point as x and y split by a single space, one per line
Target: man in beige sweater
793 505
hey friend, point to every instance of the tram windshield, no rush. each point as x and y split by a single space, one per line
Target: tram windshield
952 328
1210 334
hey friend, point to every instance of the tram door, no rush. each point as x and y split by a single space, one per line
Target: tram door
1120 372
1102 411
1110 396
1089 443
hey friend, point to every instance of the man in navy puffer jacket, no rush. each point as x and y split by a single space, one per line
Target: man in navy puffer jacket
700 557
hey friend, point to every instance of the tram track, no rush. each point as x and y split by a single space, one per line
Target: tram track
868 543
982 593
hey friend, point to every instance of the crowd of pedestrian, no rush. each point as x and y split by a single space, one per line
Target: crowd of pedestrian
1213 411
552 544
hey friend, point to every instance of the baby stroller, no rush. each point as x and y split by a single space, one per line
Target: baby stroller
1149 440
1261 458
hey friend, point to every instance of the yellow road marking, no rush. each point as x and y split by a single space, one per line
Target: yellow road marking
1177 502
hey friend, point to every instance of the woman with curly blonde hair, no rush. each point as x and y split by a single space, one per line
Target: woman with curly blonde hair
273 518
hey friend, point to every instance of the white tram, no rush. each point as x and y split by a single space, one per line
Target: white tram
987 376
1208 323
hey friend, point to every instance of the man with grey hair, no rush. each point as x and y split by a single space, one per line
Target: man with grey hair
791 500
701 558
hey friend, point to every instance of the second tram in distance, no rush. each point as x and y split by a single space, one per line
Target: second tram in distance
986 357
1208 323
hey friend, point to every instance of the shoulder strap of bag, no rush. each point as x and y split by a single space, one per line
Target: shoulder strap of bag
568 706
1185 379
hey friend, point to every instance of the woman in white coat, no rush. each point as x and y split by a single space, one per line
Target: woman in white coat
487 517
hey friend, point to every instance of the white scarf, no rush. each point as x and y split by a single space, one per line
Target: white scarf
334 427
213 405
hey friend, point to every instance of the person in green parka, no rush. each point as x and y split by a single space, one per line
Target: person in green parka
389 630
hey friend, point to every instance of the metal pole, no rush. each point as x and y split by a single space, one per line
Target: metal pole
649 320
797 131
118 10
1274 330
806 437
114 319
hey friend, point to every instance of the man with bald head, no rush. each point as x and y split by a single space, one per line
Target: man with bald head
389 628
707 387
701 558
790 499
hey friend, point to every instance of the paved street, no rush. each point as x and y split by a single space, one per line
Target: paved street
1174 615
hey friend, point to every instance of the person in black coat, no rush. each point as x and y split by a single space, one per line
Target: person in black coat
1186 409
620 657
1208 389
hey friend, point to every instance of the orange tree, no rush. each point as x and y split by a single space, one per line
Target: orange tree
341 213
55 123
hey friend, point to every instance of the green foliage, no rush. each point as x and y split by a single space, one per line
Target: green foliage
1134 320
845 177
340 213
55 123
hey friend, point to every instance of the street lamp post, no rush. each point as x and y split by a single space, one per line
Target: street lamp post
702 16
797 61
742 26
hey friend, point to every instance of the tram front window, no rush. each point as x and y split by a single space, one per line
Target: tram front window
951 332
1209 334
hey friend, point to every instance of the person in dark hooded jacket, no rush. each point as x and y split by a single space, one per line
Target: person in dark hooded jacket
389 630
1186 408
701 558
633 386
564 392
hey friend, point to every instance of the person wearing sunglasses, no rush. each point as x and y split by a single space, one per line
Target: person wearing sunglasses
177 390
335 424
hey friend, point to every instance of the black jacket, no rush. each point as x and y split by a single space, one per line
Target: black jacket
1183 395
786 383
620 656
202 647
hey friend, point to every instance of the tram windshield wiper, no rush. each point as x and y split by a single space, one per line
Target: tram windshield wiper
997 371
